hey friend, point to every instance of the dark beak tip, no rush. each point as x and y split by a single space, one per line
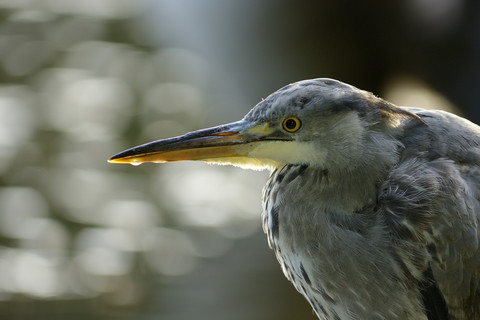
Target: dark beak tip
123 154
117 156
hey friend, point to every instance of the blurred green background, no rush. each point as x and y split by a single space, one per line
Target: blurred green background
83 80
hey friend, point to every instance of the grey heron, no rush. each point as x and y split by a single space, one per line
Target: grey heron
372 210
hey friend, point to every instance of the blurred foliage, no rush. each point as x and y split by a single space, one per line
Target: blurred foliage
83 80
81 238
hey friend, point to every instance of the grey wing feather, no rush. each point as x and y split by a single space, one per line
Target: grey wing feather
431 204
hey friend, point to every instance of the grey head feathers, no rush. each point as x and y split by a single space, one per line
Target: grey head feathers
324 97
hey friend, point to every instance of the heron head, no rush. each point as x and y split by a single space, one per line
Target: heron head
320 122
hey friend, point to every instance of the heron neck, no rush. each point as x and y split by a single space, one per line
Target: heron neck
328 190
318 198
307 205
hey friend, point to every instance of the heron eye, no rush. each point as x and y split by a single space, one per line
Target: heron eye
291 124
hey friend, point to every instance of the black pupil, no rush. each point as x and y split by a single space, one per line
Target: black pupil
290 124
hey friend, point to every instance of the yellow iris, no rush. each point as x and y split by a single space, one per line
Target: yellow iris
291 124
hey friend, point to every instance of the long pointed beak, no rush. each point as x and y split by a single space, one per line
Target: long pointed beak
231 140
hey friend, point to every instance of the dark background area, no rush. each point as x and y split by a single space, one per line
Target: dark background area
83 80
